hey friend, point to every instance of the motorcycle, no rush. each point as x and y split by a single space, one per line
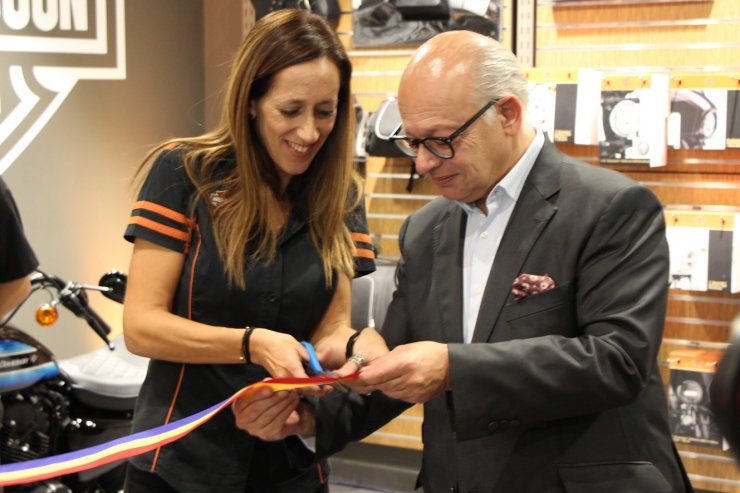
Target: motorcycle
50 406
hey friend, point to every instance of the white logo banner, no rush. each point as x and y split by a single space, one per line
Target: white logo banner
46 47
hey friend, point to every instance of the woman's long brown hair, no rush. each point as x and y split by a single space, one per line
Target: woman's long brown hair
247 215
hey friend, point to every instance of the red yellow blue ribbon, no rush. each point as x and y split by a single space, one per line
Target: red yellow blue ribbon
139 443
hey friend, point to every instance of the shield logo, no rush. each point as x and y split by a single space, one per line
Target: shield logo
46 47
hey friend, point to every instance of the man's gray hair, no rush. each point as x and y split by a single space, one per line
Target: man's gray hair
499 74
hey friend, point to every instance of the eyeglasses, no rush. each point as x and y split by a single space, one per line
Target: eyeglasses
439 146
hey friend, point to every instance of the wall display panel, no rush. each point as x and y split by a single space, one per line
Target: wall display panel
694 34
681 39
690 37
83 96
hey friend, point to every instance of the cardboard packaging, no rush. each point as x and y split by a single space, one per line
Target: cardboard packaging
702 115
704 251
564 104
634 120
691 418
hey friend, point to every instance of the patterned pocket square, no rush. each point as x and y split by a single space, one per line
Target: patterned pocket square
528 284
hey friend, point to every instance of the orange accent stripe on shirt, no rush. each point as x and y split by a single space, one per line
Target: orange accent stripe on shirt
192 275
163 211
160 228
169 413
362 237
182 370
321 473
171 146
364 252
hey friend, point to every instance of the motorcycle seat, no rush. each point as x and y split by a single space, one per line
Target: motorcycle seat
105 379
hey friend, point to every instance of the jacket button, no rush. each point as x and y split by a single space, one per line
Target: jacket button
503 424
492 426
272 298
515 423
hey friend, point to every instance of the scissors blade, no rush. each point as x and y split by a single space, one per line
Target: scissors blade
336 385
314 366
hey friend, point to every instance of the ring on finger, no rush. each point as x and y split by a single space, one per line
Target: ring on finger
358 360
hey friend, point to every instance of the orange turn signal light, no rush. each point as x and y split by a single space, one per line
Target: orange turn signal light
46 315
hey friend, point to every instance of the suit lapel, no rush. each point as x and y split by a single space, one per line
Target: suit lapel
449 238
531 214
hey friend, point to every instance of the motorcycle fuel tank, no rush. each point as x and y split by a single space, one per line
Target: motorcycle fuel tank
23 360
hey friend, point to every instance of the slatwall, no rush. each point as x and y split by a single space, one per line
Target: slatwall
615 36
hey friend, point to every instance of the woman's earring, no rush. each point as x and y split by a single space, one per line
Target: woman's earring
252 116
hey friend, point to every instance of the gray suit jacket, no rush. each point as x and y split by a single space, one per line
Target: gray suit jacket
559 391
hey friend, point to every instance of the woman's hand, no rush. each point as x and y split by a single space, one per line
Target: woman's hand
271 416
283 356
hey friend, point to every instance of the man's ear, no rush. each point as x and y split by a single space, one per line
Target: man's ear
512 110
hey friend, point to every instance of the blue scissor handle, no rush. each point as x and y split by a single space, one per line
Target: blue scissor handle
313 361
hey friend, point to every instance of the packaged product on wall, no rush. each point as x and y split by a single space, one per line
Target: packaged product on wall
380 23
564 104
633 123
704 251
699 111
733 116
691 417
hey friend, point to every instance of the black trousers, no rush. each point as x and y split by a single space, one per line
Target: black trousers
266 473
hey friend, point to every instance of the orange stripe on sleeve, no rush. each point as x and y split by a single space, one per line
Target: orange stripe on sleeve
160 228
171 146
362 237
163 211
364 252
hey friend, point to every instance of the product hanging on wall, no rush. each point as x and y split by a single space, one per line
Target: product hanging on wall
704 251
563 104
633 124
700 114
692 419
733 114
329 9
380 23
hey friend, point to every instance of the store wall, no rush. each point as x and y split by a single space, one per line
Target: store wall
224 30
72 181
617 36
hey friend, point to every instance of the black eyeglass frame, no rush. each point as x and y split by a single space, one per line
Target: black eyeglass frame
446 140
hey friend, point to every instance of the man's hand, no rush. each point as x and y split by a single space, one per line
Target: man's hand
272 416
415 372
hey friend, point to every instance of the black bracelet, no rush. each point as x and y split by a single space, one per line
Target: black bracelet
351 344
245 345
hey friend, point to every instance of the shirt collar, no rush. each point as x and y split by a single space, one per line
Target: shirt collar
513 181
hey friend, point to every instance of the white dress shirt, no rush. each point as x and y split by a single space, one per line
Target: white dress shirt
483 233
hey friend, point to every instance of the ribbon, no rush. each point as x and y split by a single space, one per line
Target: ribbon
139 443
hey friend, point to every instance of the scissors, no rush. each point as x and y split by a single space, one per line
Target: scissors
313 365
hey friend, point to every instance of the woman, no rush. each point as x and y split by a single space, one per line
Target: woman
251 225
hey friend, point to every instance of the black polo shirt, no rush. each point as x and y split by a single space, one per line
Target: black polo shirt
17 259
287 295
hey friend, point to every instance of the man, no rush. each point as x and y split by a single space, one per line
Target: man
530 304
17 259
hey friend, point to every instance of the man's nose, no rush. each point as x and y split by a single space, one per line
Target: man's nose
426 161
